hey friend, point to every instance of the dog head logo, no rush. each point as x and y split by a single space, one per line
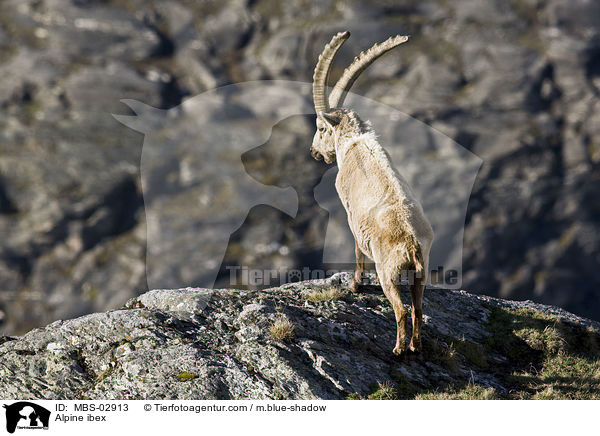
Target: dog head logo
25 414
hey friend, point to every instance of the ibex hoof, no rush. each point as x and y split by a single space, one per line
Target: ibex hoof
355 286
399 351
415 347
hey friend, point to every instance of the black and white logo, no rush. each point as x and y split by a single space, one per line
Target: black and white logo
26 415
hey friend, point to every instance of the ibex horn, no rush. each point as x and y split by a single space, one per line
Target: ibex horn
362 61
322 70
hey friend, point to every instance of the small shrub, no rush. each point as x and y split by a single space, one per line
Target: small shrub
385 391
441 353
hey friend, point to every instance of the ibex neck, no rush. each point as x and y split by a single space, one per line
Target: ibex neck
346 143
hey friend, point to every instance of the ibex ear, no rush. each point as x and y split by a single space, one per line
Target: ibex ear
332 119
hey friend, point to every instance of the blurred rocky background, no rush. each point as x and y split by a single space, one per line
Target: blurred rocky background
517 82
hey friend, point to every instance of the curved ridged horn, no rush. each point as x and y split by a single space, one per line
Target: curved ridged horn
322 70
362 61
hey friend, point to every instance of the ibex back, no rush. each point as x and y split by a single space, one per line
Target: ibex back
387 221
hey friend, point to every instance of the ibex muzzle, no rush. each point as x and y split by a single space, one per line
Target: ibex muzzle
386 219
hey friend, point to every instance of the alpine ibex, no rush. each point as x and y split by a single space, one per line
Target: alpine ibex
386 219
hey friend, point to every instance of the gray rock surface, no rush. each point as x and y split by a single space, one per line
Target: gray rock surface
516 82
217 344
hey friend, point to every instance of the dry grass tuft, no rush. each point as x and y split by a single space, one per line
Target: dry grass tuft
469 392
282 330
331 293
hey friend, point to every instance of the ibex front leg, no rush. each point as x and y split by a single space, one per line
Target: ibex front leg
360 268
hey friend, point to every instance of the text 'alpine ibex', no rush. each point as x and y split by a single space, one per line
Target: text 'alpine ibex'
386 219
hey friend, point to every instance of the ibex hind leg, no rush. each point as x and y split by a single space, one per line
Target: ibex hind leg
360 268
417 288
390 282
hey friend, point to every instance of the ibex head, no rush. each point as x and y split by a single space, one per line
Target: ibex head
333 122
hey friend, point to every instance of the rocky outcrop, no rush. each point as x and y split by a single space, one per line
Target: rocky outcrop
514 81
303 341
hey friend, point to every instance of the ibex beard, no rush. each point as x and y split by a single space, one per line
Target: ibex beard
386 219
